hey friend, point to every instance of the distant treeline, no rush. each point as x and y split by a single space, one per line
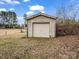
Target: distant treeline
8 19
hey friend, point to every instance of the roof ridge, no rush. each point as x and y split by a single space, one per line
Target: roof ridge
41 14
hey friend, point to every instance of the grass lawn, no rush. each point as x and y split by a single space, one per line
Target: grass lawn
15 45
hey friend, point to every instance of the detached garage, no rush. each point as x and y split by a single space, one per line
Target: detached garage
41 25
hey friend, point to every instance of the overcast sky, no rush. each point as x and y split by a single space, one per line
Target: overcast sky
31 7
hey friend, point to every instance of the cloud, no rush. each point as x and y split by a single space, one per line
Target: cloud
2 2
26 0
42 11
3 9
37 7
30 13
16 2
11 9
11 1
20 19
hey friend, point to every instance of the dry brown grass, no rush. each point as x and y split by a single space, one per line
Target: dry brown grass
15 45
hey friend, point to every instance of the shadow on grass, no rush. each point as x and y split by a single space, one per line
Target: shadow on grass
35 38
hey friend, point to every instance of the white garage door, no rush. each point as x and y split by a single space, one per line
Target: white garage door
40 30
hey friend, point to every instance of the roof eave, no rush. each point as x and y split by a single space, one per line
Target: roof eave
41 14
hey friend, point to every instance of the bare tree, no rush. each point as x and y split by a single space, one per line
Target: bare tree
67 14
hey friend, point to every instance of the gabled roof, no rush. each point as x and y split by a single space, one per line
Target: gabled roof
41 14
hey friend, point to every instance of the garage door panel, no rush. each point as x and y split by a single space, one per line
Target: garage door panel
40 30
